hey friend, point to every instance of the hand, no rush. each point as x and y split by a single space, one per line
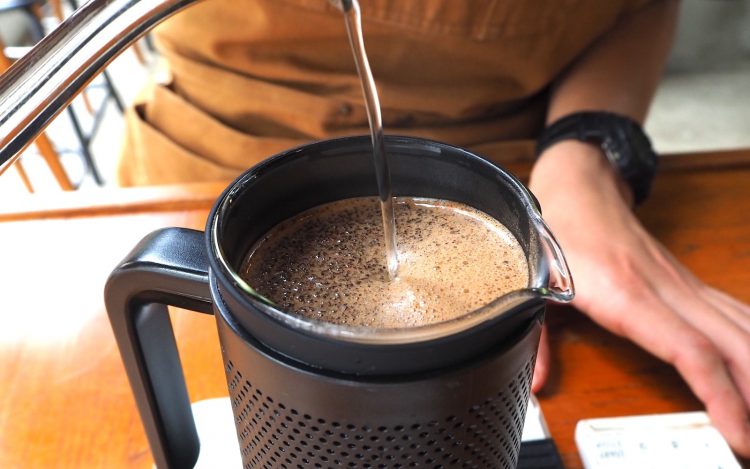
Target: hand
630 284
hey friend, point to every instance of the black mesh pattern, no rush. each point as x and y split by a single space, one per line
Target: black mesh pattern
276 434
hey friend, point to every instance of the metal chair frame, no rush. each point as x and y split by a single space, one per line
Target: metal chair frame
85 139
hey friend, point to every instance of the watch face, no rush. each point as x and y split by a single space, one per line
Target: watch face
642 150
636 161
614 151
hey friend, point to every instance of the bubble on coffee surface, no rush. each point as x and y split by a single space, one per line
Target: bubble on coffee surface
327 263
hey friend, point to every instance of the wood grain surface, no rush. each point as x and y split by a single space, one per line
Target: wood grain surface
65 400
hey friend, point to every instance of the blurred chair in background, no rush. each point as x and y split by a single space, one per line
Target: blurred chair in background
21 26
43 144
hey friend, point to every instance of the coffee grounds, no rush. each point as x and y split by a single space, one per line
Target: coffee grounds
328 263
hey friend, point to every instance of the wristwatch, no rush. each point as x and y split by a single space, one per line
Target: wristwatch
623 141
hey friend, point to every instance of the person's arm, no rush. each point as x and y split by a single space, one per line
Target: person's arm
625 279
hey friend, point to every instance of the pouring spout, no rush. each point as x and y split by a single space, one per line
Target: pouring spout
560 286
39 85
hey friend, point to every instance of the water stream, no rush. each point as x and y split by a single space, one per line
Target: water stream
353 20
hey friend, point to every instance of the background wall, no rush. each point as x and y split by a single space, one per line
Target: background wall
704 100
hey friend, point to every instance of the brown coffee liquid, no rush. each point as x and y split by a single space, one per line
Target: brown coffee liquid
327 263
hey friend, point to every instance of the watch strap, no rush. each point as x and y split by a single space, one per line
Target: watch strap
623 141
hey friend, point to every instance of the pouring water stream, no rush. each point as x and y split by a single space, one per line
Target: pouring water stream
353 21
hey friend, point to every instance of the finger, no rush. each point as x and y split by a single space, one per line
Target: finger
541 368
715 322
705 373
726 336
737 311
686 295
658 329
729 300
732 308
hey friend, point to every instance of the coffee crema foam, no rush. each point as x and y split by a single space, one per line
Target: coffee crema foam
328 263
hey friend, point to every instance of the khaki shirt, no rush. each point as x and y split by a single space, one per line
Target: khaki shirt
250 78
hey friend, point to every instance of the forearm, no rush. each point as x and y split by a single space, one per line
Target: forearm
619 73
625 280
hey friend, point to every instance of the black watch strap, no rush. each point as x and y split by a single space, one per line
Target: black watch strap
623 141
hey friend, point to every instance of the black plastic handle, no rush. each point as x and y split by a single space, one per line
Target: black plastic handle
168 267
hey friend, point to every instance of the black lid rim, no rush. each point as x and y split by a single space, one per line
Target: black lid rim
233 284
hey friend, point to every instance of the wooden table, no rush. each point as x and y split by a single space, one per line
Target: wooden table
64 397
